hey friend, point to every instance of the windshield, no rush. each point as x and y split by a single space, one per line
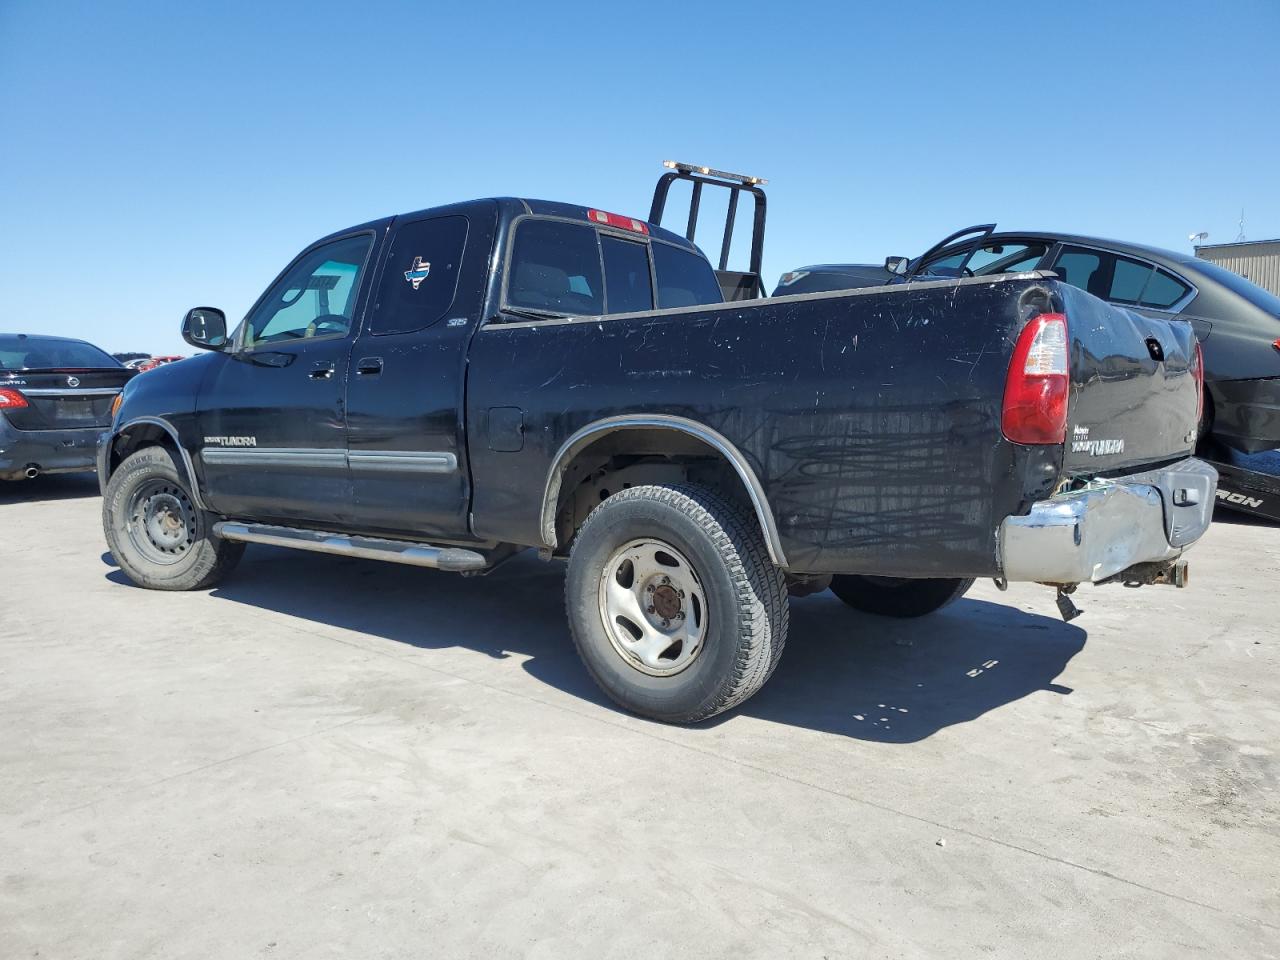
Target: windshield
21 352
1238 285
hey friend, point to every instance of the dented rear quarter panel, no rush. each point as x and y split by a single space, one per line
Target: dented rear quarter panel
871 417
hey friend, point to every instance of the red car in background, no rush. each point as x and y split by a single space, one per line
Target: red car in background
154 362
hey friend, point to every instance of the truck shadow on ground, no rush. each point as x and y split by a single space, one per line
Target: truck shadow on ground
56 486
843 672
901 681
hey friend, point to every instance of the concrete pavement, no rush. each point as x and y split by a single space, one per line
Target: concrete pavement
336 758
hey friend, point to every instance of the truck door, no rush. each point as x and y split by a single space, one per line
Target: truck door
405 388
270 414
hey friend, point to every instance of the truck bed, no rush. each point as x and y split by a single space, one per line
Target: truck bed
871 417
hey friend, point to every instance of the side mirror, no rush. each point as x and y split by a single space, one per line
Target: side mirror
897 265
205 327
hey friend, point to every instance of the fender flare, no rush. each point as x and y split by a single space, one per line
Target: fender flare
172 431
713 438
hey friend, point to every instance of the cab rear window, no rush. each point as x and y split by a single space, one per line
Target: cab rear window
684 278
555 266
575 269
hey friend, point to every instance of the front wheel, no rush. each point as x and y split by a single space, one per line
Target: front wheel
157 534
897 596
673 603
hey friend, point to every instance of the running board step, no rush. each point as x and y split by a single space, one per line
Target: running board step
455 559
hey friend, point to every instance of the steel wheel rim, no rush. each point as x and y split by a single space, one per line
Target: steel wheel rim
653 607
161 521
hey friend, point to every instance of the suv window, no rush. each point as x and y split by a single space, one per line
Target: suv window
315 299
992 258
556 266
628 285
420 278
685 279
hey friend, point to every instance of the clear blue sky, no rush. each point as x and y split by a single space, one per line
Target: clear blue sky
156 156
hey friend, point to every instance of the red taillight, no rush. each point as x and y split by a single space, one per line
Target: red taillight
619 221
1276 343
11 399
1197 370
1035 393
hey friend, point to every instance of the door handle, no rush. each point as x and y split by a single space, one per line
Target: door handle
321 371
369 367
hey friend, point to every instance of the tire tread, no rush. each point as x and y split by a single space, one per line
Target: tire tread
759 586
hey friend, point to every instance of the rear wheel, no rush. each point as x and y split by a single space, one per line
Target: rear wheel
673 603
898 596
157 534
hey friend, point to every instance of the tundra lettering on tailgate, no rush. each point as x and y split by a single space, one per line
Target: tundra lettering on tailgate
1095 448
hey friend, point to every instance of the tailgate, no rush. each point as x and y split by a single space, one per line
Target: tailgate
1133 390
65 399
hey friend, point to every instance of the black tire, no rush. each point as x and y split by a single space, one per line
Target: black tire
156 533
894 597
746 608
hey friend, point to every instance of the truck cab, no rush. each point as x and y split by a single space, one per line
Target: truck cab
340 398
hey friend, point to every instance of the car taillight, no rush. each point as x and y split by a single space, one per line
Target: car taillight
1276 343
11 399
1197 370
1035 393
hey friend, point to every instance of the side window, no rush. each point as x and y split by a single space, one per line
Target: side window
628 285
556 266
315 299
1083 269
1163 291
684 278
992 258
1129 280
420 278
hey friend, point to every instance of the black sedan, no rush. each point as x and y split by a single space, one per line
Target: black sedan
56 397
1237 322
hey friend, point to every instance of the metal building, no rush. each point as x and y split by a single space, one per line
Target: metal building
1256 260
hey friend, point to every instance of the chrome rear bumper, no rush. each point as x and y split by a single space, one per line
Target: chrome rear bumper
1096 533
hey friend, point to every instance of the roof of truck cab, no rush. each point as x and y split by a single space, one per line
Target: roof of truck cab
552 208
509 208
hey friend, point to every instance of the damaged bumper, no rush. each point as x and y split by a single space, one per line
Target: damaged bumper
1111 526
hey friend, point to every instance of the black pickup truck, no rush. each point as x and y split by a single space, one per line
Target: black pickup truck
448 387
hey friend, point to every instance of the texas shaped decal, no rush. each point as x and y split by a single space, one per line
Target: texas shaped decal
418 272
